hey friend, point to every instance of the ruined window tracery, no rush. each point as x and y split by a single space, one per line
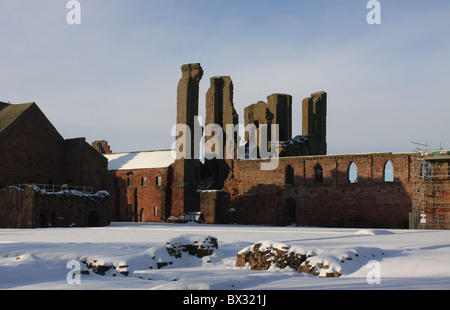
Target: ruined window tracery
318 174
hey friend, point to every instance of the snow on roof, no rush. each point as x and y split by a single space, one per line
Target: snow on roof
140 160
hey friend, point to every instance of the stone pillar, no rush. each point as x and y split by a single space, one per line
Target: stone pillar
257 114
315 120
281 107
220 113
220 109
187 168
187 101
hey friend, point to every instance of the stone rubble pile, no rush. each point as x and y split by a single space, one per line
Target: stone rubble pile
261 257
175 249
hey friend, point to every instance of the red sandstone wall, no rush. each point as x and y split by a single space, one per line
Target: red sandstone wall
135 201
260 196
30 150
70 210
82 165
33 152
16 208
30 209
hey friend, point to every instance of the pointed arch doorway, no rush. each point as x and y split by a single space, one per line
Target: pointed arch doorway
289 212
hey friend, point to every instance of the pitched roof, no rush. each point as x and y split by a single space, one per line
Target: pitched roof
140 160
10 112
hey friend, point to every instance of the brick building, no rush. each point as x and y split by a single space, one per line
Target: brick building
33 153
139 184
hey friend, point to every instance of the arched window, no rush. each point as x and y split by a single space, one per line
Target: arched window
289 175
318 174
353 173
388 172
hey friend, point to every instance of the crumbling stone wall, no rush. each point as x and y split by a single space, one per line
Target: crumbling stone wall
265 197
102 147
220 145
31 208
257 114
220 107
16 208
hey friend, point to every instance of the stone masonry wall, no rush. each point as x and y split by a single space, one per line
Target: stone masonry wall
33 208
30 150
266 196
140 195
16 208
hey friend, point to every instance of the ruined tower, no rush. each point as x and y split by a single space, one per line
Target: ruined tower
256 114
315 121
220 110
281 107
220 143
187 104
278 111
187 166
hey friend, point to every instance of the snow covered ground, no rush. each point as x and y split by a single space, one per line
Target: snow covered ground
386 259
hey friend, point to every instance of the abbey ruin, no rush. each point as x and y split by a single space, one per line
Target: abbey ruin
307 187
225 182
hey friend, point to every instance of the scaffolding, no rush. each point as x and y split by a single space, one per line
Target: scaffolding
430 189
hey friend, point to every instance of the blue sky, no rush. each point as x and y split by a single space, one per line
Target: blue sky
114 76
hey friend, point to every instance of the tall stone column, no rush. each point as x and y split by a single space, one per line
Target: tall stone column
281 107
186 173
315 120
220 113
220 110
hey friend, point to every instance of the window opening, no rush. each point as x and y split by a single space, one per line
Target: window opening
353 173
